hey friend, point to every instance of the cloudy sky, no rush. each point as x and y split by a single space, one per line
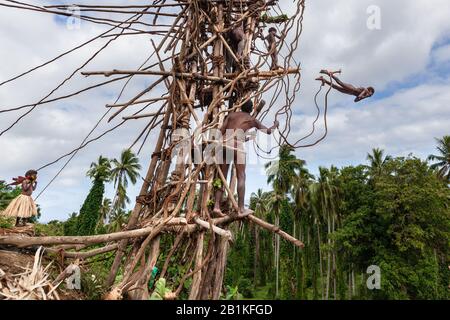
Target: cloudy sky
407 60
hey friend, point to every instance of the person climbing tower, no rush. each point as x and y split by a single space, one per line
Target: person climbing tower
23 206
271 39
360 93
233 130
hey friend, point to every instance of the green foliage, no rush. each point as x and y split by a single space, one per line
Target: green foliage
127 168
442 160
7 194
160 290
90 211
232 293
6 222
210 203
70 226
217 183
401 223
393 213
100 170
92 283
117 219
52 228
276 19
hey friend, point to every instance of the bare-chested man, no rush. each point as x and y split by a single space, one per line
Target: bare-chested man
235 123
237 37
271 39
360 93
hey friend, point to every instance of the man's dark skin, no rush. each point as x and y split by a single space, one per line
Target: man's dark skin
238 121
271 39
237 43
237 37
360 93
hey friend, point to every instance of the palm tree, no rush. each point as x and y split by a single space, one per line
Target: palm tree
275 202
104 211
121 197
314 222
299 194
443 159
300 185
377 160
127 168
118 219
281 174
324 198
258 203
100 170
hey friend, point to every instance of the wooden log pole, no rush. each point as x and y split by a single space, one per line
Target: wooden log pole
138 206
197 278
221 232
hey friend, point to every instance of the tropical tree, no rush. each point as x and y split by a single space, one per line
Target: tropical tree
281 174
402 226
299 197
71 225
7 194
275 201
325 202
258 203
393 214
117 219
443 159
299 190
100 170
90 213
104 211
124 170
377 160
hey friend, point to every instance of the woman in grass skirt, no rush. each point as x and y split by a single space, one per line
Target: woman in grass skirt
23 206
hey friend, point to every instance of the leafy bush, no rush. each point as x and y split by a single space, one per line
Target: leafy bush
92 286
160 290
6 222
246 287
70 225
52 228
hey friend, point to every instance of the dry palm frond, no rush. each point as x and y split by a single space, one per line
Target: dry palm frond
32 284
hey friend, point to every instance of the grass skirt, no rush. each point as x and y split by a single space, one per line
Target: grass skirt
23 207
